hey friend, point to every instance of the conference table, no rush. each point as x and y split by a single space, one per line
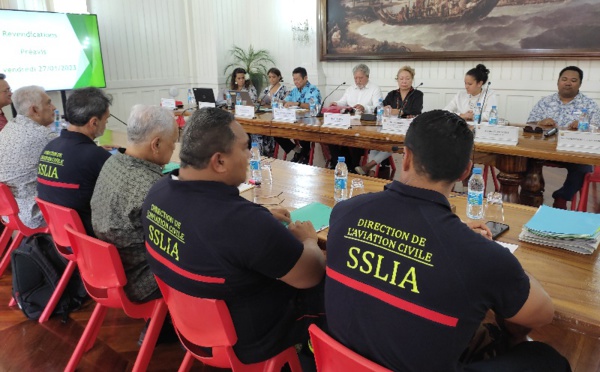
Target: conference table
520 166
572 280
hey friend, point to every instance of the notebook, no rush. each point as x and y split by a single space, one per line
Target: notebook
316 213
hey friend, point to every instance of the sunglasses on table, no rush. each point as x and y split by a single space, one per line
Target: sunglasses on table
530 129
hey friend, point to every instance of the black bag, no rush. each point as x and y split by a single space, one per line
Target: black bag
36 269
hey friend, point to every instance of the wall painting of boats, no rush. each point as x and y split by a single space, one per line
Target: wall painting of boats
459 29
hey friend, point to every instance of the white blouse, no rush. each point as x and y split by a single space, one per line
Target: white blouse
464 102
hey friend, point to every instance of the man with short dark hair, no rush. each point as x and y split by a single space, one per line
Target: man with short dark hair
300 96
204 239
5 99
562 110
69 165
21 144
408 283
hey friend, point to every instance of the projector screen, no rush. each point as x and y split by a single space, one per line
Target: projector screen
54 50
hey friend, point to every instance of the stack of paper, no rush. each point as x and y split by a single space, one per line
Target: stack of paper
575 231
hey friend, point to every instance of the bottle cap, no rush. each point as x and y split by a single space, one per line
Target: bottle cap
341 159
254 144
476 170
493 107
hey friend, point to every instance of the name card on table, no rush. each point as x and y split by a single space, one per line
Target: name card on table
244 111
579 141
497 134
168 103
206 104
395 125
285 115
339 121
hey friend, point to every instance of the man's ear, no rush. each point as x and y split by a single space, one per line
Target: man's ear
155 144
218 162
406 159
467 171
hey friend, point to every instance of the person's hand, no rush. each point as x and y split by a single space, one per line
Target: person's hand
281 214
359 107
290 104
548 122
467 115
411 116
574 125
481 228
303 230
333 104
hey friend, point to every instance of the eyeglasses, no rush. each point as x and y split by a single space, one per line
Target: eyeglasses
530 129
269 199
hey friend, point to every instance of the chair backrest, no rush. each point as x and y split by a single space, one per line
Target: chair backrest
214 328
100 267
331 356
57 217
9 208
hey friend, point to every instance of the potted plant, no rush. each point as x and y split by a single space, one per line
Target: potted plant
253 61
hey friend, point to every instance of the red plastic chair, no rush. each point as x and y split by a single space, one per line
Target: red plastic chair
492 170
104 278
331 356
585 189
9 215
365 158
202 322
57 217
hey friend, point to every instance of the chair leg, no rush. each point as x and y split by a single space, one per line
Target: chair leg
311 155
186 364
584 193
88 337
60 288
392 167
288 356
4 238
6 258
495 179
156 322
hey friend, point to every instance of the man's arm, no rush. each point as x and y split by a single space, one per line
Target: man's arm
538 309
310 267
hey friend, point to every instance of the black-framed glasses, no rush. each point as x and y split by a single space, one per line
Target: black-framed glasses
530 129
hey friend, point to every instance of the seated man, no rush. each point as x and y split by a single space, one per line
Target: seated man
363 96
206 240
562 110
21 143
408 283
69 165
5 100
300 96
120 190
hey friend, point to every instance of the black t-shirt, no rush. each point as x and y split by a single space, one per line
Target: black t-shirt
411 105
67 172
408 283
205 240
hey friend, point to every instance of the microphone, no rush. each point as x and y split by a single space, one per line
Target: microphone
320 113
400 146
483 104
119 120
261 102
401 109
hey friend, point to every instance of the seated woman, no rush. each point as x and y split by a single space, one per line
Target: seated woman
465 102
121 189
239 81
275 90
406 102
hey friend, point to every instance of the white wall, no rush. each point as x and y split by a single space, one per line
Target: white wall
150 45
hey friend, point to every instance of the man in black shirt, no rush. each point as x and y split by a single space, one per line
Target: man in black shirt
70 164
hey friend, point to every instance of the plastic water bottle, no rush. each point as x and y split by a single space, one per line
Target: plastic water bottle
493 116
313 107
191 99
477 113
57 126
340 186
238 99
255 164
228 98
274 103
475 195
584 121
380 112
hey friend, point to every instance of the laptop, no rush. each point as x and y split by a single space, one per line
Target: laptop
245 97
204 95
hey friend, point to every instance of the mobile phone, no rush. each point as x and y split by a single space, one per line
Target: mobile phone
497 228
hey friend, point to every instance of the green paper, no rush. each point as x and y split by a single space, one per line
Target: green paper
316 213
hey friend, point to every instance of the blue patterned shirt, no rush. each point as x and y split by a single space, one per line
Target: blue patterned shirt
309 91
564 113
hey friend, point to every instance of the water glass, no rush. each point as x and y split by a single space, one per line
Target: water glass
494 210
387 111
357 187
266 174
